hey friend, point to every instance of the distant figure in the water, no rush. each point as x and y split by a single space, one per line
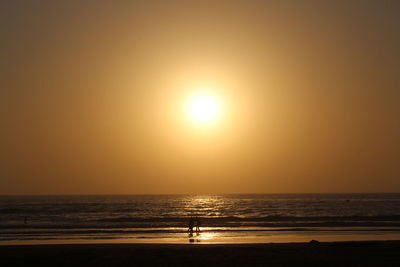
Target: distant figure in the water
191 225
198 224
25 219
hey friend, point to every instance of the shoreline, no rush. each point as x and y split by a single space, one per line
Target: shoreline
367 253
207 236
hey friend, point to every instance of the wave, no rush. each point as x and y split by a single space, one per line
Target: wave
229 221
255 219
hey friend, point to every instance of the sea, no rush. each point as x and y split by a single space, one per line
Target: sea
244 218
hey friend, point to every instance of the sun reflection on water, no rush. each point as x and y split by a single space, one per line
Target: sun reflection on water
206 205
202 237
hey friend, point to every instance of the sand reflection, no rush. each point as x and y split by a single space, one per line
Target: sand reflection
201 237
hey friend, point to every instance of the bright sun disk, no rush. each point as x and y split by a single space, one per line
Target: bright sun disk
203 108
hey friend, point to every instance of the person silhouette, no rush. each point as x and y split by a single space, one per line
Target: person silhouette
191 225
198 224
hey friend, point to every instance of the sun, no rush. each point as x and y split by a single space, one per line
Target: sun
203 108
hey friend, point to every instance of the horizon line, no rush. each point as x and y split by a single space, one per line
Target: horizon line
183 194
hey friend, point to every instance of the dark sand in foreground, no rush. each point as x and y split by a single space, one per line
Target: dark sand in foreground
290 254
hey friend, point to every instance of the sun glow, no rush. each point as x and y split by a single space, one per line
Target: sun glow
203 108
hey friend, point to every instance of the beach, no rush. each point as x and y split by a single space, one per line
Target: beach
369 253
236 230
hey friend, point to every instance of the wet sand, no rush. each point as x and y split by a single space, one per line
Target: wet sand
377 253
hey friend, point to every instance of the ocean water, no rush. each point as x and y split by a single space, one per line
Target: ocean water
225 218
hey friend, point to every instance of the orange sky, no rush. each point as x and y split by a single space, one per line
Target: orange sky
92 93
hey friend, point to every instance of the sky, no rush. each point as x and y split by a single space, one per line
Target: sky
93 95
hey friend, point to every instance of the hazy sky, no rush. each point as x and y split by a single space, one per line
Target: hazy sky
92 94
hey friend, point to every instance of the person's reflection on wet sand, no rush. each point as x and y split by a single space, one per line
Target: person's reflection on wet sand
193 238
